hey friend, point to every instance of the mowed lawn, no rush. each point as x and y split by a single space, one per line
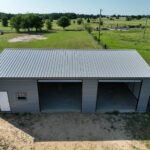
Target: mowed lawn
59 39
75 39
132 39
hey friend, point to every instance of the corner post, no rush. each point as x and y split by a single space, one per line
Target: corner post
89 95
144 96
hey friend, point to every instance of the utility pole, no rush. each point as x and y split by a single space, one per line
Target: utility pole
145 27
100 15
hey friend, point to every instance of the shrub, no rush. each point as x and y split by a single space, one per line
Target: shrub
48 25
88 20
88 28
5 21
105 46
79 21
95 37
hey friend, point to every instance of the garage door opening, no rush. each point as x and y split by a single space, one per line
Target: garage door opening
118 96
60 96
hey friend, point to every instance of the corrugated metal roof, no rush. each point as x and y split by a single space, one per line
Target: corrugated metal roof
46 63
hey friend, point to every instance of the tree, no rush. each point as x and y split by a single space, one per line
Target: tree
139 17
101 23
30 21
117 17
63 22
25 24
128 18
34 21
5 21
88 20
48 25
88 28
16 22
50 18
37 22
111 18
79 21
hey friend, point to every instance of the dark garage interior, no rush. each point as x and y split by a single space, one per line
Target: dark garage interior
60 97
116 96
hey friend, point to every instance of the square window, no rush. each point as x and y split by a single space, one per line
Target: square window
21 95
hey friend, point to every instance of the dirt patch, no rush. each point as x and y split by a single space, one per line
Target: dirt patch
66 131
27 38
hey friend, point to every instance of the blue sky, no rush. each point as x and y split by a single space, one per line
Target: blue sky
125 7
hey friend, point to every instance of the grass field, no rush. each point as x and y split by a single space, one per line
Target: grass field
119 22
128 40
72 38
61 39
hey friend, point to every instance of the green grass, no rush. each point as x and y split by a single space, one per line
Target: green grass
106 23
6 29
94 23
80 40
61 39
128 40
120 22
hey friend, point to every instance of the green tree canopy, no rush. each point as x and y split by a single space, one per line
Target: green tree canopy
88 20
128 18
101 22
63 22
48 24
27 21
31 20
16 22
5 21
37 22
79 21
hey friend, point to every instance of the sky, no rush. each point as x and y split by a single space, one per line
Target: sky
110 7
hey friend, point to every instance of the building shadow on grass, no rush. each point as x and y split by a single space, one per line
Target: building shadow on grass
81 127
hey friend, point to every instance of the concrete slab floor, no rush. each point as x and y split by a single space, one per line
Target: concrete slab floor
60 97
115 97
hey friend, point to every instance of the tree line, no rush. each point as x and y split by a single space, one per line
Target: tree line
56 16
32 21
26 22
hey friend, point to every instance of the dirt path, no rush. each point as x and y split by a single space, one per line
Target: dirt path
26 38
65 132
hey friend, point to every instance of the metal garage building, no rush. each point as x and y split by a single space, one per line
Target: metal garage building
35 80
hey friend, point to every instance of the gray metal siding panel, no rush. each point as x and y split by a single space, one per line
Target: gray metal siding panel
46 63
137 87
144 96
89 95
134 87
28 86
